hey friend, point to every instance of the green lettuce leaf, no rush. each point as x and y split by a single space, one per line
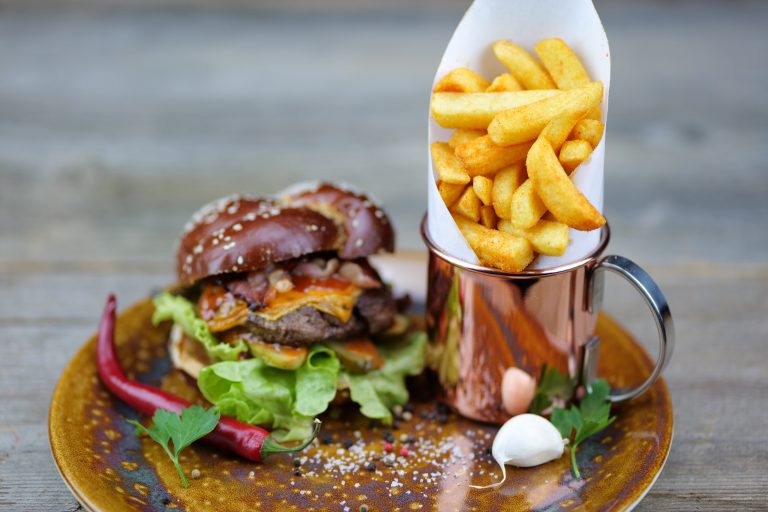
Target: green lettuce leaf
256 393
377 392
182 313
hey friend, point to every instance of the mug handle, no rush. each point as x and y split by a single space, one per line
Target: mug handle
656 302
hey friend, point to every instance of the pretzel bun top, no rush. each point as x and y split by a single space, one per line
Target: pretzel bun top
244 233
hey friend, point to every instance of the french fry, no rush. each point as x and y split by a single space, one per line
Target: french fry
564 66
468 205
547 237
504 82
448 167
460 137
589 130
573 153
524 123
475 110
483 187
505 183
557 191
482 157
526 208
494 248
461 80
523 66
488 217
558 129
450 192
561 62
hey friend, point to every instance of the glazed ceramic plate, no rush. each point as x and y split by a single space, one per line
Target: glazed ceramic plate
109 469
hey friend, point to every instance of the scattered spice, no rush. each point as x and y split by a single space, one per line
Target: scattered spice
407 416
195 473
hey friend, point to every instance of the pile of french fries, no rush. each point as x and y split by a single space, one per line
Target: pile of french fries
504 172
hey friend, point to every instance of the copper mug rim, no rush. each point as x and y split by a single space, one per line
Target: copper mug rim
605 236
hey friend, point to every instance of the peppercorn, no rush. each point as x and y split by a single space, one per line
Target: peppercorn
363 508
370 466
442 418
297 472
296 462
407 416
396 425
327 439
388 437
387 447
408 407
403 438
404 451
348 444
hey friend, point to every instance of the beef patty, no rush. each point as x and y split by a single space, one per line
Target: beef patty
374 312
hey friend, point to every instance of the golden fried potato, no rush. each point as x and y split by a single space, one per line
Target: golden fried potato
460 137
523 66
494 248
526 208
564 67
504 82
450 192
573 153
524 123
461 80
557 191
488 217
558 129
475 110
505 183
546 237
483 187
482 157
468 205
589 130
448 167
561 62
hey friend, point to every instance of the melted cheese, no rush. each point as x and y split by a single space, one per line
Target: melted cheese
335 302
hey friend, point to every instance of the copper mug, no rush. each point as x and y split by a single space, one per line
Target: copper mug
482 321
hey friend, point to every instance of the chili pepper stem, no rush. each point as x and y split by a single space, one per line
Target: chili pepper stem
270 446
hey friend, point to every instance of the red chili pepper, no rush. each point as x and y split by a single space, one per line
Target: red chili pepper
248 441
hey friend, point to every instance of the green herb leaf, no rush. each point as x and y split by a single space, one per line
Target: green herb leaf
552 385
591 416
194 423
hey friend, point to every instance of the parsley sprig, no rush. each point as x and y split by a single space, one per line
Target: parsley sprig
553 386
194 423
577 423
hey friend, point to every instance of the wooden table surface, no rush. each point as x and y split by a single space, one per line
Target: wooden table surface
117 123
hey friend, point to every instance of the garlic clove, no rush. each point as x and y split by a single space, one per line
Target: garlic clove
517 391
526 440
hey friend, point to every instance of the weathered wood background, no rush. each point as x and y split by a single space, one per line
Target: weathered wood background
118 119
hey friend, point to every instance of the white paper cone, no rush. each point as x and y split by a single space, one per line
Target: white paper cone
524 22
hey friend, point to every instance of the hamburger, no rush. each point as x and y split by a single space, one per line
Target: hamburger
278 313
